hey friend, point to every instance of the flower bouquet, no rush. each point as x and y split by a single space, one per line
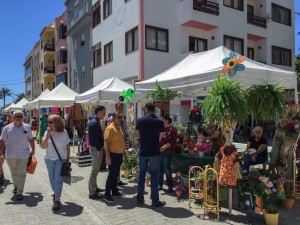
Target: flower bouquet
179 189
203 147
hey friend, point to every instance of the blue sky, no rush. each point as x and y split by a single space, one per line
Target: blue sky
21 22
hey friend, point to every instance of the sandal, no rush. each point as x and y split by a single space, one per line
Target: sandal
56 205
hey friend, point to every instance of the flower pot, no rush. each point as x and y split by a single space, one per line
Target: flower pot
148 182
259 206
288 203
191 152
272 219
126 173
179 194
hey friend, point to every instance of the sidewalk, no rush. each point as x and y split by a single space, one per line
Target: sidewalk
77 208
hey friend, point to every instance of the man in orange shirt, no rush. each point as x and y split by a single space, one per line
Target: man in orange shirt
114 146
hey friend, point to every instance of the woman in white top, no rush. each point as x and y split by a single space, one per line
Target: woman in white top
56 128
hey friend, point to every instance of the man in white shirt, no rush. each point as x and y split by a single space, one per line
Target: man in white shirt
17 137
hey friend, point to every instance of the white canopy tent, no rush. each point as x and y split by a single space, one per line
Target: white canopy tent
197 71
108 90
32 103
60 96
20 104
8 108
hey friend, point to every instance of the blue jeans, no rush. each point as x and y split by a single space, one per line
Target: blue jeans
165 167
260 159
151 165
56 181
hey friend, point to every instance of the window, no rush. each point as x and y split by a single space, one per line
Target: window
97 55
83 71
197 44
108 52
281 56
235 4
281 14
250 53
76 9
96 14
62 29
62 56
131 40
157 39
107 5
82 39
234 44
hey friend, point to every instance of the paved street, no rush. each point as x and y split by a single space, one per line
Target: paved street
78 209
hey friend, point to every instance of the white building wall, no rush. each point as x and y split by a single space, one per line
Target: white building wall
124 17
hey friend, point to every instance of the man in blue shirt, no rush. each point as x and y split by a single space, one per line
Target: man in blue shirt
150 130
97 142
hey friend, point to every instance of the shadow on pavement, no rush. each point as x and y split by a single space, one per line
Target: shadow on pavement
174 212
4 186
75 179
69 209
31 201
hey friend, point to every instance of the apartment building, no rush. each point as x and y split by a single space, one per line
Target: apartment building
47 57
28 65
138 39
61 50
80 71
36 71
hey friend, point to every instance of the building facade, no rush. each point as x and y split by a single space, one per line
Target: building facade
28 67
80 71
61 50
138 39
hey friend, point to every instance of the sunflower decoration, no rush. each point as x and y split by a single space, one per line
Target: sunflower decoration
232 64
126 95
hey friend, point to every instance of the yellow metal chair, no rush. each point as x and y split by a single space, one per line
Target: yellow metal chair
196 185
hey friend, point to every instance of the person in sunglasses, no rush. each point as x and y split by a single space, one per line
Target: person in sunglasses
17 137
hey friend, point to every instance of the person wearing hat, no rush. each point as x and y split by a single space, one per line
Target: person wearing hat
258 143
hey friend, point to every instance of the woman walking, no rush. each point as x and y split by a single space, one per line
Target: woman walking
56 129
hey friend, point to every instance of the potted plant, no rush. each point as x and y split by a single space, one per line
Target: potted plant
266 102
161 96
179 190
148 179
195 114
226 104
126 167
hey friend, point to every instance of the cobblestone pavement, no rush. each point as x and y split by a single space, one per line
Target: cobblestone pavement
77 208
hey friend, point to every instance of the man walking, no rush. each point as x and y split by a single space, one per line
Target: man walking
150 130
114 145
97 143
17 137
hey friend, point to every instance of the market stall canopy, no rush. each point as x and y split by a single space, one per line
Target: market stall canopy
60 96
20 104
33 102
198 70
7 109
107 90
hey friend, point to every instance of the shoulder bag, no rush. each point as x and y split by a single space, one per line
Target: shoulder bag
66 166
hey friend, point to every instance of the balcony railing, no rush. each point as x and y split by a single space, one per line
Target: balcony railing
49 70
257 21
49 47
206 6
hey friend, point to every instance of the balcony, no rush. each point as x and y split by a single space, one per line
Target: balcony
80 20
206 6
257 21
49 70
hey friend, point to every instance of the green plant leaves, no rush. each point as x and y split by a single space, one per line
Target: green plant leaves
161 94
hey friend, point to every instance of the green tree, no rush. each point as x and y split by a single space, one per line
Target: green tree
19 97
4 92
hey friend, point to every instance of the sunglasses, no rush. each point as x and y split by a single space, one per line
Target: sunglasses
19 116
50 122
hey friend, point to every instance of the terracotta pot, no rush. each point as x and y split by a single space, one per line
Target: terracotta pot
288 203
179 194
191 152
148 182
272 219
126 173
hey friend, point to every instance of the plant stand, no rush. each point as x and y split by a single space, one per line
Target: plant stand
196 187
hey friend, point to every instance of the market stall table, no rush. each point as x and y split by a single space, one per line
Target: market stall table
182 162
